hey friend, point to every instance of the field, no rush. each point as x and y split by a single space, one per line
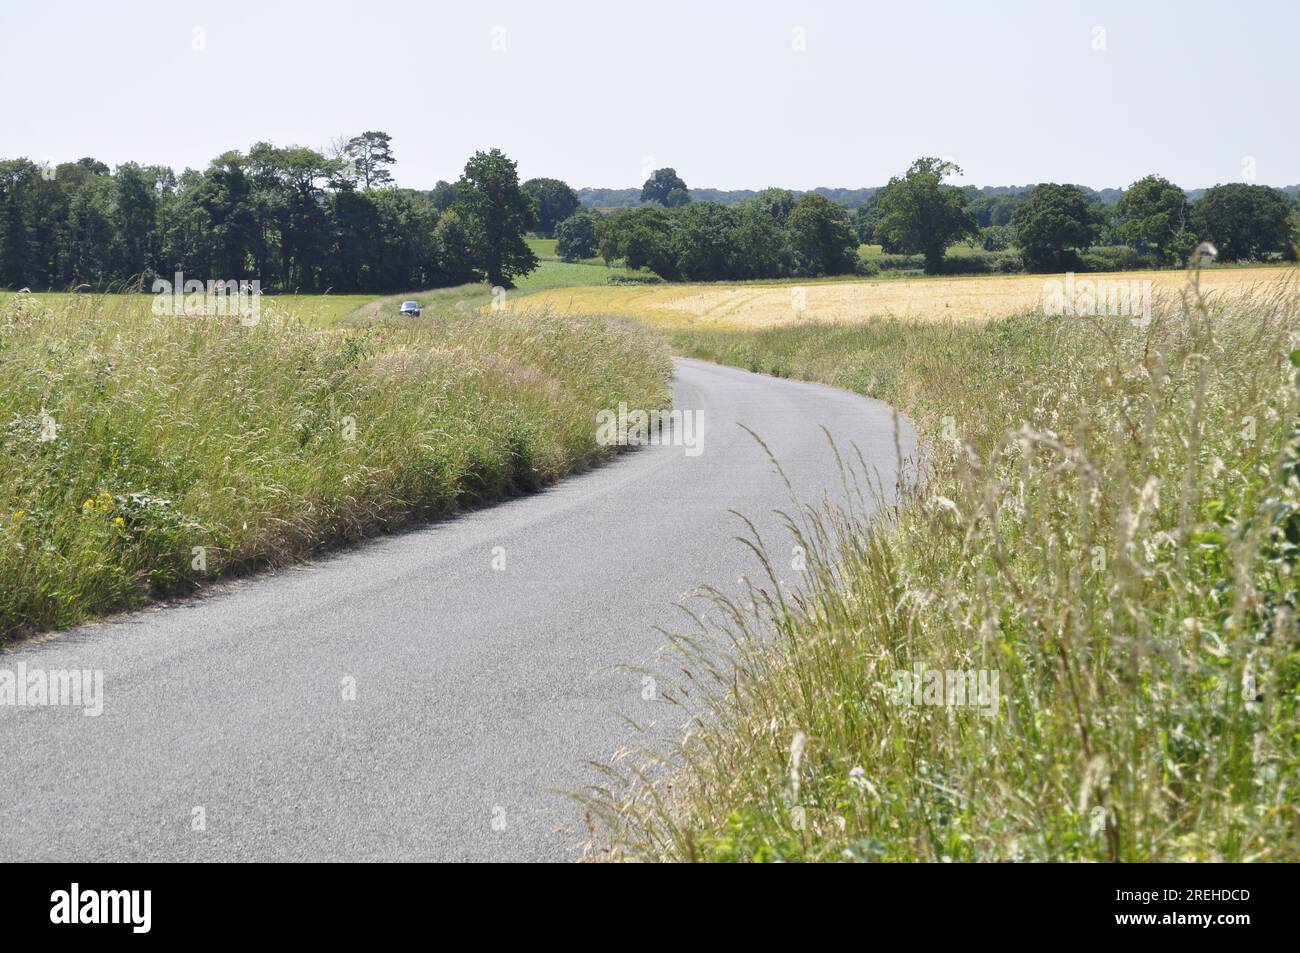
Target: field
772 304
354 310
322 309
144 456
552 272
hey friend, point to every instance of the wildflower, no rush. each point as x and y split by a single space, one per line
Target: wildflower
858 779
119 521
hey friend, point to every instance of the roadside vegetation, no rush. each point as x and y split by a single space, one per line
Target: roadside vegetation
1107 522
145 456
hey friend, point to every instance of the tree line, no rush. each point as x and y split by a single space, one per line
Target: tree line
1052 224
1044 228
294 218
299 219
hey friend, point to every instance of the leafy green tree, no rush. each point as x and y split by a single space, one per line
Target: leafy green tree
821 237
133 217
16 178
1055 223
555 202
704 242
918 214
406 223
452 244
992 210
666 188
759 238
225 194
443 195
866 220
1245 221
1153 217
359 254
577 237
88 238
289 203
777 204
497 214
371 153
997 237
641 238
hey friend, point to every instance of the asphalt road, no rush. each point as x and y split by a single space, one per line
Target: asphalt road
479 691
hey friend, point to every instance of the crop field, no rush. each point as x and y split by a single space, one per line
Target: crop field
756 305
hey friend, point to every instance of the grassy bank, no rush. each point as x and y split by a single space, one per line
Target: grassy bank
143 456
1106 538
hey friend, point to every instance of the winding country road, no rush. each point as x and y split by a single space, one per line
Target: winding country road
479 691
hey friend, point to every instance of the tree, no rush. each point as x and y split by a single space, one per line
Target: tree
641 238
992 210
759 239
1245 221
452 243
577 237
496 215
821 237
666 188
997 237
134 213
1152 216
703 242
777 204
286 216
357 257
1055 223
918 214
443 195
16 179
407 255
555 202
89 234
371 152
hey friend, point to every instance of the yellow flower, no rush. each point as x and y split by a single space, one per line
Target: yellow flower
119 521
18 515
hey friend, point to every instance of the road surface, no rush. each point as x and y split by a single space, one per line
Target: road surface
421 697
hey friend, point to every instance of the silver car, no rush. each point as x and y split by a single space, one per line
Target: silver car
410 309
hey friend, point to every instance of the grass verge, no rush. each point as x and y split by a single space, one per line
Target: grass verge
1105 536
143 456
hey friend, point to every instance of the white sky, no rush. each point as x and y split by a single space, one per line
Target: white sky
596 93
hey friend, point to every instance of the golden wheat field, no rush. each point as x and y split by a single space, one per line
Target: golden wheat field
964 299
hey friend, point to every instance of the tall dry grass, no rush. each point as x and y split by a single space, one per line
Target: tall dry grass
143 456
1108 519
